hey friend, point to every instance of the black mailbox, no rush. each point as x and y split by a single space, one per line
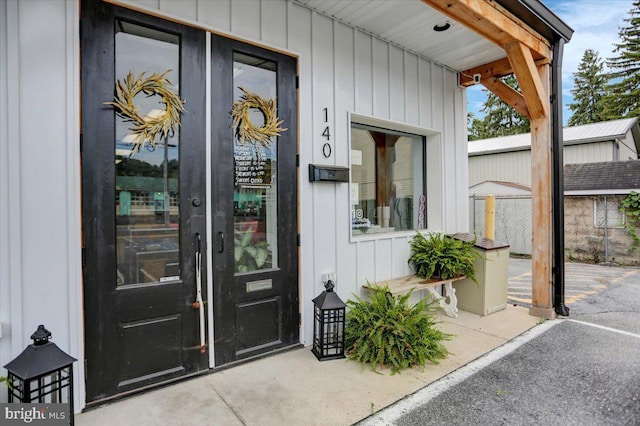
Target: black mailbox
322 173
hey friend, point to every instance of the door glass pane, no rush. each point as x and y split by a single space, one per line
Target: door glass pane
146 192
255 174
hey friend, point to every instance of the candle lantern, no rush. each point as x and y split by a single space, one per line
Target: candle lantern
328 325
42 374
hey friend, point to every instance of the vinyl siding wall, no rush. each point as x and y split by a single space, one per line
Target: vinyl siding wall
40 239
516 166
590 153
506 167
346 70
340 68
627 148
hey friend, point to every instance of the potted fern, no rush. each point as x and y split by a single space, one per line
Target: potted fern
442 257
389 331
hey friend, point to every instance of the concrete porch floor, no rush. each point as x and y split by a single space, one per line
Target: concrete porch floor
295 388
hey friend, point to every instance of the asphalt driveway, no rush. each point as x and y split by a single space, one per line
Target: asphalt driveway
581 370
581 280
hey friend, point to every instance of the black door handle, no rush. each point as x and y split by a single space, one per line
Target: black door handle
220 242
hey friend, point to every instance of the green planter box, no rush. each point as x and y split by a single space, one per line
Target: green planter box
492 273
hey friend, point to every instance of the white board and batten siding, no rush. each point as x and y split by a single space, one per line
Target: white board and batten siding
342 69
348 71
40 238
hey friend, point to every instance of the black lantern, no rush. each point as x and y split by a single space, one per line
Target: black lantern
328 325
42 374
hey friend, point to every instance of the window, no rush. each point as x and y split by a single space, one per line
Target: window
607 211
387 180
147 180
255 192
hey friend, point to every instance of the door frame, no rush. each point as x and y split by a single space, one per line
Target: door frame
208 130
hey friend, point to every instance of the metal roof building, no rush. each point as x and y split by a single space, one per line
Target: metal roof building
508 158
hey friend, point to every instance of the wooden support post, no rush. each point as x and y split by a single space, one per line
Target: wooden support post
541 172
529 55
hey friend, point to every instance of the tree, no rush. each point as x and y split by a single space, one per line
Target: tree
623 99
589 90
500 118
475 127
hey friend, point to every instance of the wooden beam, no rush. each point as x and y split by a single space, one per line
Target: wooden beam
541 172
493 22
508 95
382 196
499 68
531 84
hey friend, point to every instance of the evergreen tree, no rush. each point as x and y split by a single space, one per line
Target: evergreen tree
589 90
475 127
624 89
500 118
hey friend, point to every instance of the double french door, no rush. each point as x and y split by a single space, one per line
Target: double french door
145 205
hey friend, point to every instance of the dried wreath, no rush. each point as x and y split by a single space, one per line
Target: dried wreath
245 129
148 128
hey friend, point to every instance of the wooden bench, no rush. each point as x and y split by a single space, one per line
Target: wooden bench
404 285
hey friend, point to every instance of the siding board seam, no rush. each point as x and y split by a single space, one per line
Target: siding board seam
355 86
74 219
419 77
404 84
5 229
312 126
389 75
335 147
14 169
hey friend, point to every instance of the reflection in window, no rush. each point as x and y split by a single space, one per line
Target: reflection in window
255 175
387 181
146 192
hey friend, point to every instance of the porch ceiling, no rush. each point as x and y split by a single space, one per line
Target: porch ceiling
409 24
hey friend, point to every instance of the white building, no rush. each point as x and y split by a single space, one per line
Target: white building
508 158
108 246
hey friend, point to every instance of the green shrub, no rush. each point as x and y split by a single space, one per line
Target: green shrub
631 207
388 331
444 257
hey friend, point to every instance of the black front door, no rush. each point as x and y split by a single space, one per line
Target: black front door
143 206
255 257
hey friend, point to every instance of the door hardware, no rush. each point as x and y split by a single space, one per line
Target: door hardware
220 242
199 304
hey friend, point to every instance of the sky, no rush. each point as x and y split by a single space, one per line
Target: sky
595 23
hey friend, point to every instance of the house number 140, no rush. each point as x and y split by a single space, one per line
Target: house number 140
326 148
